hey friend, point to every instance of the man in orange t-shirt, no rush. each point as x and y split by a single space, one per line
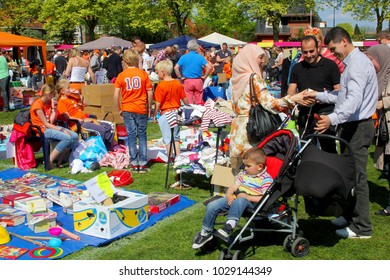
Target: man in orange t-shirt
168 94
136 90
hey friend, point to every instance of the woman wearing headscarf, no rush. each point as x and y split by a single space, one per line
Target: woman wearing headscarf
380 57
251 59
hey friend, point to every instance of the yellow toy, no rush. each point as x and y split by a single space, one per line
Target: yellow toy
4 236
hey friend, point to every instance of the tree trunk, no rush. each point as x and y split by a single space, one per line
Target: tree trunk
90 29
379 20
275 27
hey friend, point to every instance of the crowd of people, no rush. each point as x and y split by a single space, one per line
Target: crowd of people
336 87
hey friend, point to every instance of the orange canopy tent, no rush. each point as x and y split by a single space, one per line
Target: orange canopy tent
8 40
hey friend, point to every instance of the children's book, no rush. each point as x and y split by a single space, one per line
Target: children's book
11 252
159 201
12 220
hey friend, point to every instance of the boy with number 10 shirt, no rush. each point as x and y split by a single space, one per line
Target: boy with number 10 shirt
136 90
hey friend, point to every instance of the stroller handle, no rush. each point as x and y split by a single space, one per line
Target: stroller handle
327 136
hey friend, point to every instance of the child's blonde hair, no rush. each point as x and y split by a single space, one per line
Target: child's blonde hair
166 66
62 84
47 89
255 154
131 57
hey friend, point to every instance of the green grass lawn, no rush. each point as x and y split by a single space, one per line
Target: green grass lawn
171 239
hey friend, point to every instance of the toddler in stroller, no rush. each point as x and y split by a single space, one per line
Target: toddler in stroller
272 213
248 189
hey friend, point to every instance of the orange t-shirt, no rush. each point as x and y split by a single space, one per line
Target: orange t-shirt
50 66
70 106
134 84
227 69
169 94
39 105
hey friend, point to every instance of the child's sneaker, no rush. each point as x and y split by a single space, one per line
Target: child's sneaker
201 240
143 169
134 168
226 230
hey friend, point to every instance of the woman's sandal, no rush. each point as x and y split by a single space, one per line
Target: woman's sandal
382 212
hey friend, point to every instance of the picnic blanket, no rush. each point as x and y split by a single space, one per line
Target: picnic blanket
66 221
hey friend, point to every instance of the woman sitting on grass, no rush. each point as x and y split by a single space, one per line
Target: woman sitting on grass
43 113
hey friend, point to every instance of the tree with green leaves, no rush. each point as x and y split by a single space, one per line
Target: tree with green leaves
272 11
226 17
348 27
357 34
378 10
16 15
60 15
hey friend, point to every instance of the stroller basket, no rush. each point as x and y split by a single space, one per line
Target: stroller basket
321 174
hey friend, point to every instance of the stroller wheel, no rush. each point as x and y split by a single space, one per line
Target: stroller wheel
300 247
223 255
238 255
287 243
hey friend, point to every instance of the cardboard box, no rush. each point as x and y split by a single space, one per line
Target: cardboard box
222 179
159 201
93 109
48 220
111 221
99 95
221 78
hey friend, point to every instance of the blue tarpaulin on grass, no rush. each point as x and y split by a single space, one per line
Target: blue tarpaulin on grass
66 221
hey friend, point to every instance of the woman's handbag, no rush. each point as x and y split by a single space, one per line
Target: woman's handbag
261 122
382 132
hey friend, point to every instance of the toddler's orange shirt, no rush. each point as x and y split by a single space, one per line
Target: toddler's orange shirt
169 94
227 69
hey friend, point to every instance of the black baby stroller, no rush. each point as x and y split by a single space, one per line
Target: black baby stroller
305 170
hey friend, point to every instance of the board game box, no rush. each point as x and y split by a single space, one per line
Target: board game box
159 201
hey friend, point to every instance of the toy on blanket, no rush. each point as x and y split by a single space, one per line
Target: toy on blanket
4 236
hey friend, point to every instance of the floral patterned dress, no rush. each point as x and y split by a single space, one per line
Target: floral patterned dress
239 142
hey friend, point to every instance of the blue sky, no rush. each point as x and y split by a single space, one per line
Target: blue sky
327 15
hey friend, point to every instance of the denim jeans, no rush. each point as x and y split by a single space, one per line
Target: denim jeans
136 125
235 211
166 130
65 140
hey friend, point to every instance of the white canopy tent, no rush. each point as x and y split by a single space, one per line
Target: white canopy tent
218 38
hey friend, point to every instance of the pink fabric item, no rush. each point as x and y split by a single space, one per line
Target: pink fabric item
193 157
119 158
23 150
